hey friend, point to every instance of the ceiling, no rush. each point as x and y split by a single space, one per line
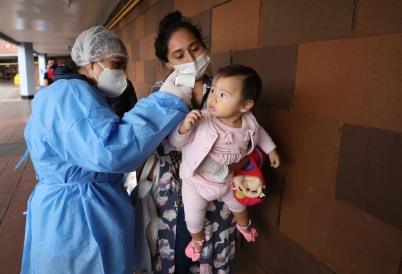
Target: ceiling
51 25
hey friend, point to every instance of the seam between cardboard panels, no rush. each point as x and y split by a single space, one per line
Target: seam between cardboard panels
220 4
278 219
259 25
328 267
294 78
336 164
354 18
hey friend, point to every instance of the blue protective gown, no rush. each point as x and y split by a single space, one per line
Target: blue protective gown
79 218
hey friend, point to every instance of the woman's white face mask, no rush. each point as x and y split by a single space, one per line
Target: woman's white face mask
197 67
111 82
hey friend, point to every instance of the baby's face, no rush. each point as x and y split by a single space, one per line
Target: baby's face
224 100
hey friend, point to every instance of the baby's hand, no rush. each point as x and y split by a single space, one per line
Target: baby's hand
274 158
191 119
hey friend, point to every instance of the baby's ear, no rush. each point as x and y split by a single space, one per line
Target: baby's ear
247 105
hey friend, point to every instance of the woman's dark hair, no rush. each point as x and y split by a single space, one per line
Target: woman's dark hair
252 84
169 25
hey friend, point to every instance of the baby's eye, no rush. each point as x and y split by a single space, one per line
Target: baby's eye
212 91
254 191
223 95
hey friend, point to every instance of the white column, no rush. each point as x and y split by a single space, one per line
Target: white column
26 70
42 68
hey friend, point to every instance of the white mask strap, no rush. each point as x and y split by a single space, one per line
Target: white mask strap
171 65
94 75
101 65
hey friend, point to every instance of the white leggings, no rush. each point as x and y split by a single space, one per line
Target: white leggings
196 194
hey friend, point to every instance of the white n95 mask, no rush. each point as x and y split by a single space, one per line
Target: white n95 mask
111 82
197 67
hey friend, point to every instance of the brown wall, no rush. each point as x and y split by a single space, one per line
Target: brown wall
7 48
332 90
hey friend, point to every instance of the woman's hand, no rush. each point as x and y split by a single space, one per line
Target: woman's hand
184 93
189 122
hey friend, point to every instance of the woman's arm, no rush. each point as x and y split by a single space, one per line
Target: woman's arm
88 134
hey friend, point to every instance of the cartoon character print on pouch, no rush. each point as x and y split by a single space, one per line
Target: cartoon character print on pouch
248 183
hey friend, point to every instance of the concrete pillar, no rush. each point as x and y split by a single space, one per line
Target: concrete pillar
42 68
26 70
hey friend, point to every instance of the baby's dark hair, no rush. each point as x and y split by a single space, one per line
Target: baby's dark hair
170 24
252 84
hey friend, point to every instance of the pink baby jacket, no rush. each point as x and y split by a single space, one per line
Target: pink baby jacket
197 143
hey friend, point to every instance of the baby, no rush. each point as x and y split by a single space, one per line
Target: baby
226 131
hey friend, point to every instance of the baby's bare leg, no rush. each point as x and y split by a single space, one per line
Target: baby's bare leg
242 220
199 236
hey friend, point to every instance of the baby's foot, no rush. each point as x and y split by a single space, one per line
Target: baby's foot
248 232
192 251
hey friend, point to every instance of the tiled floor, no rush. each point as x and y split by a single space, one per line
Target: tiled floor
15 185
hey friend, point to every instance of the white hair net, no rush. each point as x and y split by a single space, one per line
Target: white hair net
97 44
